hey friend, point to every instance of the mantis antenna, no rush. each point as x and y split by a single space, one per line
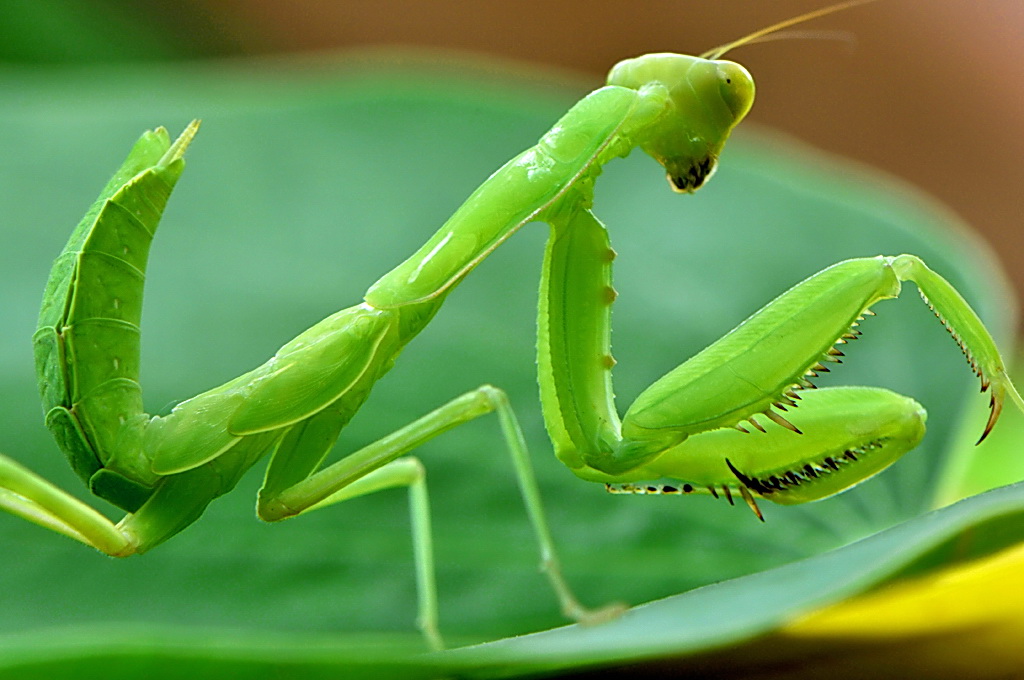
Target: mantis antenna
761 34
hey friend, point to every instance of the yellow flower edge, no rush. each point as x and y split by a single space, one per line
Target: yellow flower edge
966 621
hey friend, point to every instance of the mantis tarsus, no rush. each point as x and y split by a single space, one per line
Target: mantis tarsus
690 432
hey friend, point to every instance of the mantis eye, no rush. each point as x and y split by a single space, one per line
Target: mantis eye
736 87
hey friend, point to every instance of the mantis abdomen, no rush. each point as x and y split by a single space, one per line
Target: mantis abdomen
87 343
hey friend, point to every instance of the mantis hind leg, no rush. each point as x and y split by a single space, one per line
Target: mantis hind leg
382 465
27 495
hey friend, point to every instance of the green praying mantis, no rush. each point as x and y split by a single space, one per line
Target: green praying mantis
737 420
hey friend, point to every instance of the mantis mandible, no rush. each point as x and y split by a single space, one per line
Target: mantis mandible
696 430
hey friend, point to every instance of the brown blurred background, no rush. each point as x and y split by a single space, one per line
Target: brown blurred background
929 91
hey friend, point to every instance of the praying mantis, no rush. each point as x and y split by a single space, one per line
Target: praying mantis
693 431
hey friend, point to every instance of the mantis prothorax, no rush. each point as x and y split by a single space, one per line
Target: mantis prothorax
689 432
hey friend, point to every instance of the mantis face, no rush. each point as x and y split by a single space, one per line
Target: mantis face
706 99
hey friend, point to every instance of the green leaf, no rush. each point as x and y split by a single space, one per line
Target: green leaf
309 181
705 619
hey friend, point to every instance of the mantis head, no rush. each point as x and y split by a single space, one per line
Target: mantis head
706 99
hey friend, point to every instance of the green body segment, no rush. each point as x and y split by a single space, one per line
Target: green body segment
747 370
318 365
338 358
848 434
566 159
180 499
967 330
87 343
574 358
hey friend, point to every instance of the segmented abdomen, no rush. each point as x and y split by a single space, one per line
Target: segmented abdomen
87 342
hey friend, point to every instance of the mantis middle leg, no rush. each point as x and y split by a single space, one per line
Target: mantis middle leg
349 478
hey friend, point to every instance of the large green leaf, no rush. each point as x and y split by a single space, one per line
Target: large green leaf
307 182
710 618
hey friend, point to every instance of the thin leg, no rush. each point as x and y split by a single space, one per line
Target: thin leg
27 495
550 563
406 472
970 334
423 547
374 467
